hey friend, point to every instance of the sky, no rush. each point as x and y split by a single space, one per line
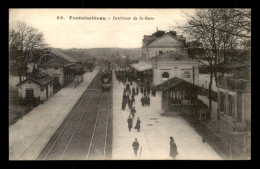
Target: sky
71 32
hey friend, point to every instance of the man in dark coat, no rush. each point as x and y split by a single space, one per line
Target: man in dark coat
135 147
133 90
133 111
148 100
130 104
137 126
130 123
173 149
142 100
133 98
123 105
127 87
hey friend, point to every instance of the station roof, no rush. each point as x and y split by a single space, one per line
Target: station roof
173 82
54 62
76 67
39 78
62 55
141 66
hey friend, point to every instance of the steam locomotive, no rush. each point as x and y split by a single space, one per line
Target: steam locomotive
106 78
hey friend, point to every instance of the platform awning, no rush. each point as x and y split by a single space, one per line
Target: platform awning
141 66
173 82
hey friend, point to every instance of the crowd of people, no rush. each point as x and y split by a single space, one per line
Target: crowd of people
129 94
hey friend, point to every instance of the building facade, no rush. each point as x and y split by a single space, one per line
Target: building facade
170 64
57 69
38 86
234 96
178 95
61 67
154 45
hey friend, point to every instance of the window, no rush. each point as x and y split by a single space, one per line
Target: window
186 74
178 94
173 94
165 75
160 52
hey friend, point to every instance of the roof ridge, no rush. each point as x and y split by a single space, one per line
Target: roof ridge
167 33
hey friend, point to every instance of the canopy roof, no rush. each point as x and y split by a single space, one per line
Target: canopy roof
39 78
141 66
173 82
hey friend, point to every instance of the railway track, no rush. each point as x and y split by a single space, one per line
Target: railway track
86 133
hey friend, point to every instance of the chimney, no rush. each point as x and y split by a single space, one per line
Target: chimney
156 29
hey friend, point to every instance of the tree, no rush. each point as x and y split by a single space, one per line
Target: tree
216 34
24 41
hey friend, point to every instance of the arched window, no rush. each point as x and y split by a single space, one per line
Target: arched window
165 75
186 74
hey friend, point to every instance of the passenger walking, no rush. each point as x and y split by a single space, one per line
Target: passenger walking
127 98
123 106
130 123
137 126
133 90
135 146
133 111
127 87
137 90
173 149
142 100
133 98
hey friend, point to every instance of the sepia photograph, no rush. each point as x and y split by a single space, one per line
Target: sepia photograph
129 84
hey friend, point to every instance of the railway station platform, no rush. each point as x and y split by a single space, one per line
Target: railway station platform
155 132
29 135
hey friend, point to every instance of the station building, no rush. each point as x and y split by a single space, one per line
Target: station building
178 95
174 64
38 86
165 57
61 67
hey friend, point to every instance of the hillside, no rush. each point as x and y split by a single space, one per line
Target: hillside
82 54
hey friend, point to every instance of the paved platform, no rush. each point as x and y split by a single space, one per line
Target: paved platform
29 135
155 132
